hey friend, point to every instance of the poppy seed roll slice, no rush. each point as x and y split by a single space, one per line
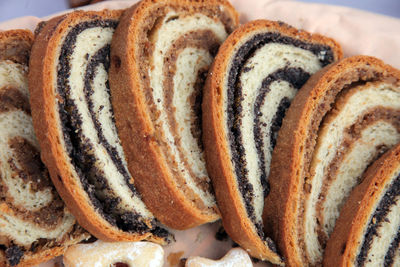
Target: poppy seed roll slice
35 225
255 75
160 55
367 232
73 117
342 120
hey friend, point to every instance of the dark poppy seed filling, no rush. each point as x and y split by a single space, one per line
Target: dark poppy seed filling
385 212
255 109
89 131
294 76
14 255
102 56
393 253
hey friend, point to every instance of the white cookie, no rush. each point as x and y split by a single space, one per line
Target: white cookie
105 254
236 257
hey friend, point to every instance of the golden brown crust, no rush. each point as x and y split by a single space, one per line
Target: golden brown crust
152 174
220 168
15 45
297 138
343 243
46 123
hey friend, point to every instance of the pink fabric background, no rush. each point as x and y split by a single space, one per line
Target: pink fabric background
358 32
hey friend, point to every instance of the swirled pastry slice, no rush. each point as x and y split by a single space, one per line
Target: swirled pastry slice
34 223
256 74
160 55
342 120
367 232
74 121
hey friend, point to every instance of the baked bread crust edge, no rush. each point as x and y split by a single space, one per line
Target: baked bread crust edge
219 166
20 41
342 245
151 173
281 204
46 124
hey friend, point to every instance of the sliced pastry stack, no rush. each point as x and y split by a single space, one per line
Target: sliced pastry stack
34 222
74 121
160 56
341 121
367 232
256 74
